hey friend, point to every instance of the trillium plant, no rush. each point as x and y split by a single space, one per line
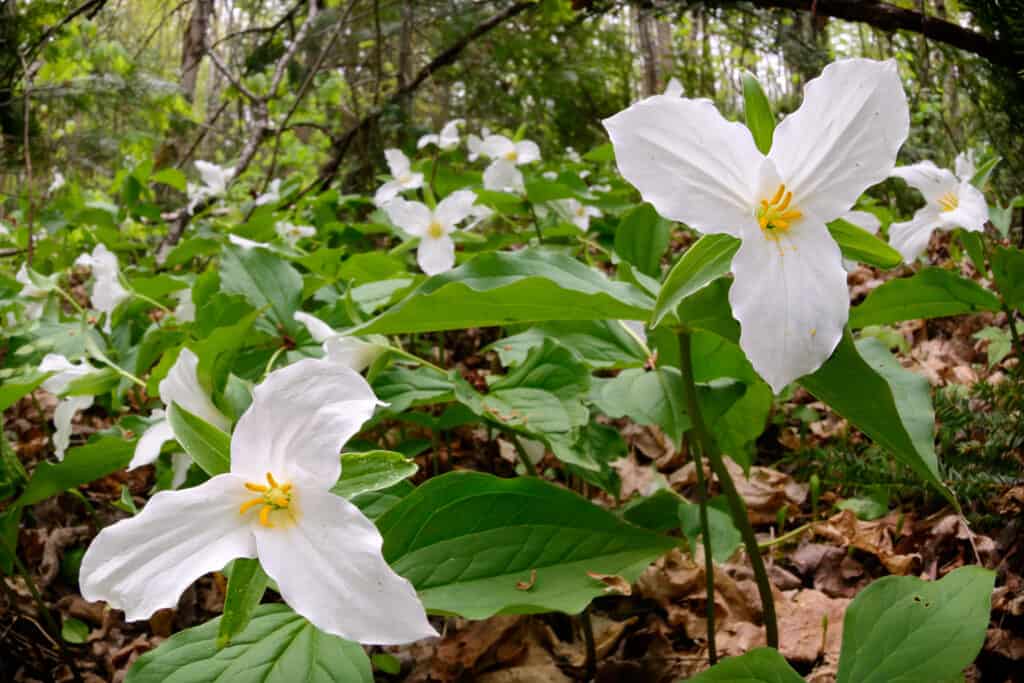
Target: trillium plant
375 413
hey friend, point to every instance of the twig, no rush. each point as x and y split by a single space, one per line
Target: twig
590 667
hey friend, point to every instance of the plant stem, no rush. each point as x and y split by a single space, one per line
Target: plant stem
1018 348
736 504
528 465
705 530
590 666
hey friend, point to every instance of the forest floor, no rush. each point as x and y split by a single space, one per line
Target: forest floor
653 630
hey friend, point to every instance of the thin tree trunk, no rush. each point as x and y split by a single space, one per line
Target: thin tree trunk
647 52
193 46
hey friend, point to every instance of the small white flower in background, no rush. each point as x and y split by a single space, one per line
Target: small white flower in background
185 311
181 386
37 295
246 244
475 143
867 222
352 352
674 88
503 176
272 195
404 178
58 182
789 291
275 504
478 213
575 212
66 372
964 165
600 188
448 139
500 147
950 202
4 230
107 291
293 233
549 175
436 253
572 155
215 183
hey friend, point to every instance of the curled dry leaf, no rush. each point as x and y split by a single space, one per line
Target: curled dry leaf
614 583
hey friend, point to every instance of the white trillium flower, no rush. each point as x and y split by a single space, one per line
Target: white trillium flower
293 233
503 176
475 143
448 139
436 253
477 214
181 386
272 195
107 291
518 153
58 182
950 202
36 295
275 504
215 183
245 243
66 372
577 213
351 352
404 178
185 311
549 175
4 230
674 88
789 293
867 222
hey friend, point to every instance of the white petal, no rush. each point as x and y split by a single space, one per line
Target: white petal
386 192
674 88
411 181
475 146
910 238
527 152
66 372
965 168
299 419
971 212
145 563
454 208
867 222
791 300
436 255
329 567
214 177
413 217
450 134
185 311
147 450
844 137
62 417
352 352
689 162
928 179
497 147
318 329
180 462
398 163
181 386
246 243
428 139
503 176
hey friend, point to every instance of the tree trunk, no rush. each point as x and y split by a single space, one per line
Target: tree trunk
193 46
650 58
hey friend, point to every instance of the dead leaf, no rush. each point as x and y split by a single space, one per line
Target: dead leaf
614 583
527 585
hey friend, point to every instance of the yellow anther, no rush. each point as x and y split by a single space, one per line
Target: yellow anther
249 504
949 202
785 202
512 156
774 216
272 481
273 497
258 488
265 516
435 230
778 195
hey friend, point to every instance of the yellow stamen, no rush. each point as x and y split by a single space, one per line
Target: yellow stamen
272 481
774 216
512 156
949 202
435 230
274 497
249 504
258 488
265 516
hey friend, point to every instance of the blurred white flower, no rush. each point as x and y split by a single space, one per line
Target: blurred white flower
215 183
107 291
272 195
404 178
65 373
185 311
293 233
36 295
245 243
674 88
475 143
503 176
58 182
351 352
572 155
436 253
549 175
575 212
500 147
964 165
448 139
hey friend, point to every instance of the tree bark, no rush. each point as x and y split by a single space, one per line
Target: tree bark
193 46
650 57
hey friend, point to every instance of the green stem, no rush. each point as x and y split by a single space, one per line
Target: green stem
528 465
736 504
273 360
788 536
709 564
536 224
71 300
416 359
150 301
1018 348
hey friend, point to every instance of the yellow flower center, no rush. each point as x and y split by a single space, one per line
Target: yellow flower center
435 230
511 156
580 211
774 215
273 497
948 202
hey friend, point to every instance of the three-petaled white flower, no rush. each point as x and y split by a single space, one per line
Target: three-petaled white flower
502 175
275 504
215 183
448 139
36 295
293 233
576 212
181 386
402 174
789 293
474 143
272 195
352 352
65 373
436 253
107 291
951 201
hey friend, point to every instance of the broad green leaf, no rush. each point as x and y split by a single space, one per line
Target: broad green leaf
74 630
466 539
265 280
1000 342
642 238
372 471
658 512
15 388
893 406
758 113
246 584
762 665
93 384
725 537
860 245
601 344
80 465
540 191
217 352
278 646
374 504
209 447
504 288
403 388
652 397
981 175
172 177
901 628
929 293
974 245
708 259
1008 270
708 309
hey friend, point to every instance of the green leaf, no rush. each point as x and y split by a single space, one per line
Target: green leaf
758 113
403 388
93 384
893 406
372 471
725 537
762 665
1000 342
265 280
930 293
708 259
642 238
80 465
1008 270
246 584
172 177
974 245
540 191
658 512
15 388
503 288
74 631
278 646
901 628
600 344
646 397
218 351
209 447
860 245
466 539
981 175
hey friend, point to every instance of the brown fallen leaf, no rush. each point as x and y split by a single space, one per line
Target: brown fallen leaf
614 583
